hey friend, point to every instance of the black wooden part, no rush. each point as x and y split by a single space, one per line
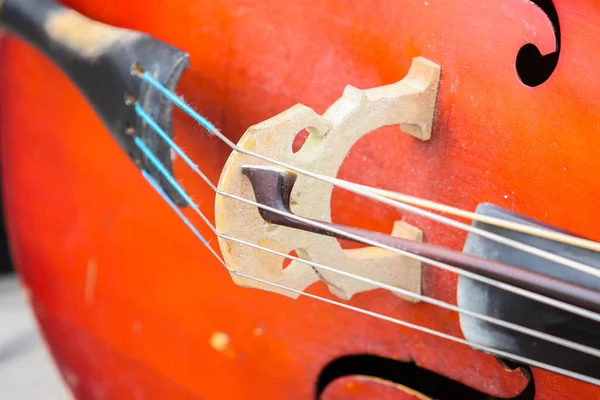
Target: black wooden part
478 297
105 76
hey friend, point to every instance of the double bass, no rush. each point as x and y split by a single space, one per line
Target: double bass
309 199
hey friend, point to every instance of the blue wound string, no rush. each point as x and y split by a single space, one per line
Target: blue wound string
175 208
179 102
152 123
163 171
161 168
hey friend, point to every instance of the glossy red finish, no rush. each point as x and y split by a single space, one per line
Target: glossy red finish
129 300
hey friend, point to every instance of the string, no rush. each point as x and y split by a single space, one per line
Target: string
154 160
352 187
501 285
396 321
499 222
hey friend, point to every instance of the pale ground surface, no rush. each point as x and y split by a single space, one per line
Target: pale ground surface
26 369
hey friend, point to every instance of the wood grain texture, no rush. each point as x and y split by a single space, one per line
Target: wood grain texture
73 199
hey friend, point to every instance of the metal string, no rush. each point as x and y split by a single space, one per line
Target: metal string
353 187
502 223
519 291
420 328
519 328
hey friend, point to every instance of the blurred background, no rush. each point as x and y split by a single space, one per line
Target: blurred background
26 369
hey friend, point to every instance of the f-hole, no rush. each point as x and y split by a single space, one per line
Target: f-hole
532 67
408 375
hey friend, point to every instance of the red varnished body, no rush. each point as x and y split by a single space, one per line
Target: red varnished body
129 299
